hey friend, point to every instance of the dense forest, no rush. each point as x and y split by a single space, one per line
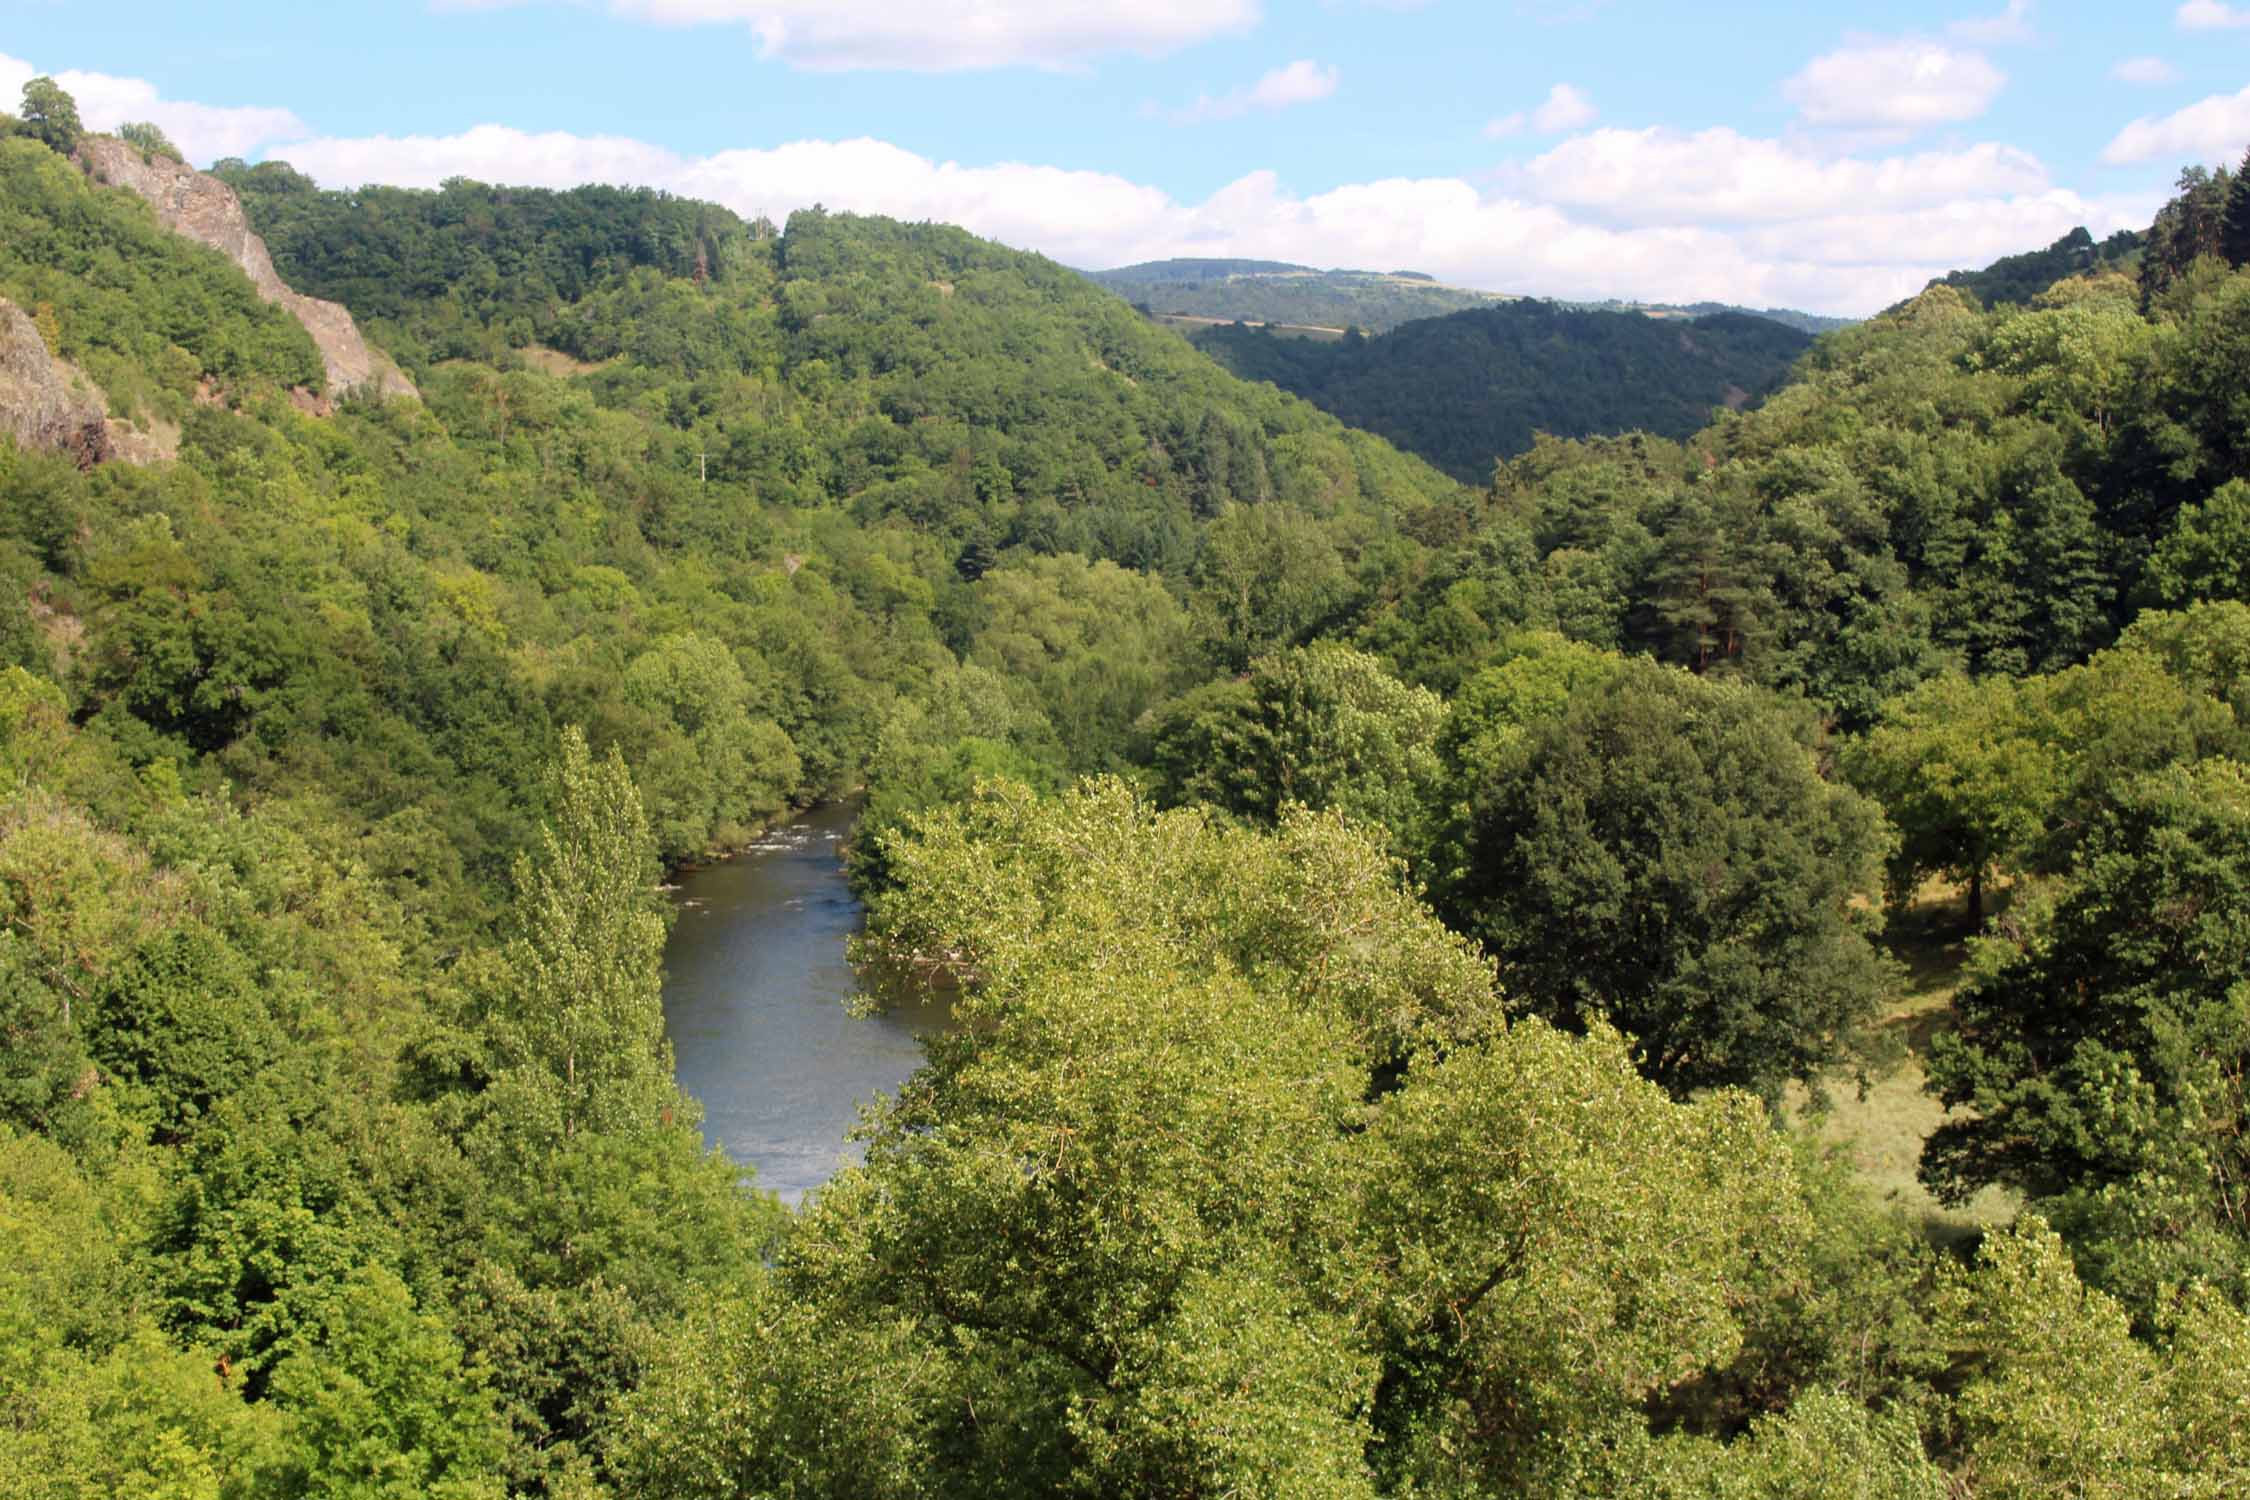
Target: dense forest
1465 390
2020 278
1409 934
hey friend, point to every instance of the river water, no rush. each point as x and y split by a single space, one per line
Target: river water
755 988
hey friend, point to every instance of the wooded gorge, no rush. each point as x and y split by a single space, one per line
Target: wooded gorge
1406 930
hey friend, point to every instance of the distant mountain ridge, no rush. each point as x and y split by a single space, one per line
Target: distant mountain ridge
1787 317
1277 292
1313 301
1465 389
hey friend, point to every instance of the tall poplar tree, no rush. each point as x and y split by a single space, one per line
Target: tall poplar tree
582 1031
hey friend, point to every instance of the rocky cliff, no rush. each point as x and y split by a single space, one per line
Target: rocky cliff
44 403
206 210
48 402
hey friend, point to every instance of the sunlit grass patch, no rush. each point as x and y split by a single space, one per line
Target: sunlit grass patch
1883 1129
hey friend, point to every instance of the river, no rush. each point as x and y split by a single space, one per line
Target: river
755 988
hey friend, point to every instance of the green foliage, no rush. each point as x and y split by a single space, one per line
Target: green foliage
1964 770
50 116
1665 853
2205 555
2019 279
770 1394
1267 577
1320 726
2234 227
150 140
471 270
1537 678
2097 1045
1473 387
181 1017
335 1161
145 313
2064 1400
714 764
379 1408
2188 229
579 1036
1347 1261
1094 644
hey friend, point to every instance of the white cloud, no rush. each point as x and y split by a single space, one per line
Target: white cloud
938 36
1565 108
1895 85
2149 71
489 153
2012 25
203 132
1301 82
1649 214
1722 177
2213 129
2210 15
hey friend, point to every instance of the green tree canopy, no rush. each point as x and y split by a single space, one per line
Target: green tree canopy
1665 853
148 139
2234 225
1966 771
1233 1182
50 115
2100 1046
579 1029
1322 725
2205 555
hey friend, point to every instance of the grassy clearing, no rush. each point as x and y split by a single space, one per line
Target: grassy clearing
1882 1132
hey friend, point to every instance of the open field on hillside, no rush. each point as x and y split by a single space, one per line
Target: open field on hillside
1883 1129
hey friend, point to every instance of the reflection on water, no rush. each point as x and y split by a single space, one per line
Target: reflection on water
754 993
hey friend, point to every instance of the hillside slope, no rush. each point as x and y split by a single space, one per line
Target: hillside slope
826 439
2019 278
1274 292
207 211
1466 389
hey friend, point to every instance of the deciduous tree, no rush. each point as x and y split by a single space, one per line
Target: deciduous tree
1665 853
50 115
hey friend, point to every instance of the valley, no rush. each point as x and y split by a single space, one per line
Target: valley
1469 895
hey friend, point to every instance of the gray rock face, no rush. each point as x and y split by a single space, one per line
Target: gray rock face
44 402
206 210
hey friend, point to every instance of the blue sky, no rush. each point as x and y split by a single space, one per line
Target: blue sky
1769 153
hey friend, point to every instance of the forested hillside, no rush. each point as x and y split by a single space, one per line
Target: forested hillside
1803 322
1403 931
1267 291
1260 291
2020 278
1466 390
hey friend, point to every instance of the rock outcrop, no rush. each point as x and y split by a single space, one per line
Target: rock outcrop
206 210
44 401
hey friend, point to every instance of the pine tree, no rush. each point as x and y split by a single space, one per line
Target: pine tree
2234 228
